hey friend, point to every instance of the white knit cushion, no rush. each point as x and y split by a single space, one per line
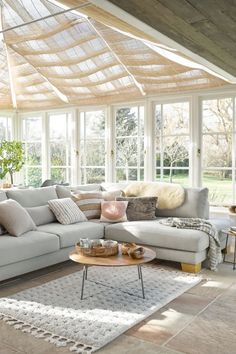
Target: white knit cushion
66 211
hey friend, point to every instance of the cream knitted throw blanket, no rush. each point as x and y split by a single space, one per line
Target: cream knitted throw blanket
214 253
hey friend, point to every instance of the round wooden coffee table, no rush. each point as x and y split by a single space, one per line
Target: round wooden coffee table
118 260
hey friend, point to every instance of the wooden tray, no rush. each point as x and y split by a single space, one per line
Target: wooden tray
98 251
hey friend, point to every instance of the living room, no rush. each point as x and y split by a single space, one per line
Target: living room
118 136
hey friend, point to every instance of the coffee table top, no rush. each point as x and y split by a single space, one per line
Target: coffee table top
113 261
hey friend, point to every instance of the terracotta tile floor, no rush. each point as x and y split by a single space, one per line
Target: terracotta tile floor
201 321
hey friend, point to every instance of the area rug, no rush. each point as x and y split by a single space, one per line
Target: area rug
112 304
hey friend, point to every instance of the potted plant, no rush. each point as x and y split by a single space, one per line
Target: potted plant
11 158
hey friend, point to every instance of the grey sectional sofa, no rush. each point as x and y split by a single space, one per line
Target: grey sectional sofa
52 242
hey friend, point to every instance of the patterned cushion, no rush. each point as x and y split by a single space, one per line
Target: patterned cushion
114 211
140 208
89 203
66 211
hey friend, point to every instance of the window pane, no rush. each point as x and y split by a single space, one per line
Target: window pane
176 176
176 151
3 128
127 121
58 174
57 126
129 143
33 154
217 115
92 146
220 186
172 142
95 124
32 138
126 152
95 153
32 129
32 176
176 118
95 175
58 154
217 150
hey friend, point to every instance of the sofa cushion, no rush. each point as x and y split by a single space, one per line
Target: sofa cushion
140 208
3 196
41 215
66 211
15 218
33 197
29 245
155 234
195 205
63 191
70 234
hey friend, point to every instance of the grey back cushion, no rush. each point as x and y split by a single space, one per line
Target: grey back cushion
63 191
15 218
3 196
32 197
41 215
195 205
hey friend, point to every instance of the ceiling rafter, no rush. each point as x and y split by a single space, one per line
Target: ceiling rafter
9 64
137 84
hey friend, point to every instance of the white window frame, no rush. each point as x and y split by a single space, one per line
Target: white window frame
107 139
212 96
116 107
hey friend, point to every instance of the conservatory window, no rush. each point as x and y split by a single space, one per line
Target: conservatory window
172 141
129 143
218 150
92 146
32 139
5 128
60 146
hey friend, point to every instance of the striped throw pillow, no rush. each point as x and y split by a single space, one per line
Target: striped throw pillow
89 203
66 211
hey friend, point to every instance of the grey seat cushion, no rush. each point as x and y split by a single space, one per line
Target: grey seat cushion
3 196
70 234
29 245
153 233
195 205
29 198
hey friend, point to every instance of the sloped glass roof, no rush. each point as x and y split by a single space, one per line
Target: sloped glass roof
50 56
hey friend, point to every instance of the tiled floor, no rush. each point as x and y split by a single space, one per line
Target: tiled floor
201 321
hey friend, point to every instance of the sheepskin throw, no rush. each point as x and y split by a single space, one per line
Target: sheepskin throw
170 195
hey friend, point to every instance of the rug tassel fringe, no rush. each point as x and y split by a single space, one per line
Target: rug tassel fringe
49 337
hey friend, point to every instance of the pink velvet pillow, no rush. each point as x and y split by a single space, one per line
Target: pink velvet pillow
114 211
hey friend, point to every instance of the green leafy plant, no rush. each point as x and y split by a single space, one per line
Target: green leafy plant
11 158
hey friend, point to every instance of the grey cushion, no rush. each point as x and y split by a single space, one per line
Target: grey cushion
111 186
66 211
29 245
63 191
86 187
41 215
155 234
3 231
140 208
3 196
15 218
70 234
195 205
33 197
